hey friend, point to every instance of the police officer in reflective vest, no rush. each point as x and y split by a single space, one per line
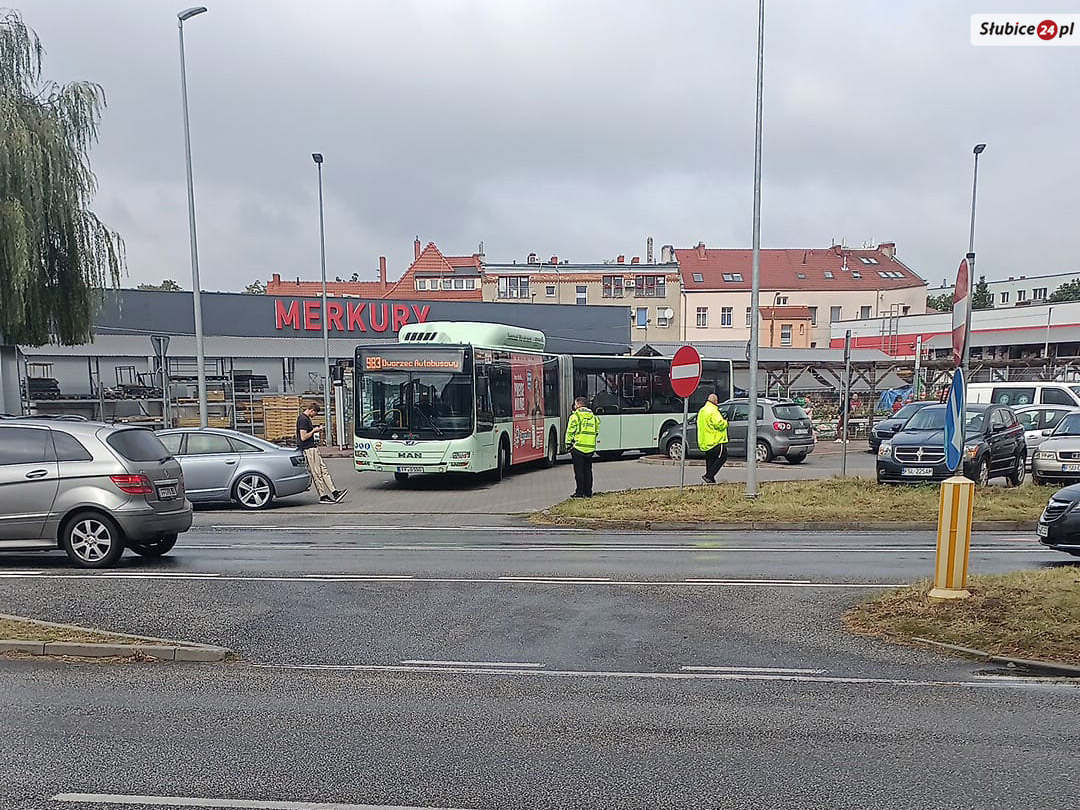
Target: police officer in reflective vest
712 438
581 433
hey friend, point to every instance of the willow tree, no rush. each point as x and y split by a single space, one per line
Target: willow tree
56 256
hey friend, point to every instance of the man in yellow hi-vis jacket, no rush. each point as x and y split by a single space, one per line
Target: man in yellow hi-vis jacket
712 438
581 434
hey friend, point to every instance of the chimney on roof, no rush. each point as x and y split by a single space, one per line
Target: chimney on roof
554 260
621 259
531 259
667 254
701 250
416 249
804 257
648 251
887 249
480 252
276 278
636 260
382 271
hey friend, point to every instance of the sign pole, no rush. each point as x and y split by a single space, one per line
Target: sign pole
846 388
685 443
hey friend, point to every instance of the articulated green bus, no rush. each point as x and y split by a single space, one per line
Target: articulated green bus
480 398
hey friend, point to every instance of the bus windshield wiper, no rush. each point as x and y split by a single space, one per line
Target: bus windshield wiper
428 419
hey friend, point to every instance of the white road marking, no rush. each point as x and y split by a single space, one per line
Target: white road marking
409 579
222 804
470 664
593 548
667 676
369 529
777 670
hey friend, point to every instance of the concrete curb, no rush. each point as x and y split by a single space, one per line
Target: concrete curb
767 526
161 649
1044 667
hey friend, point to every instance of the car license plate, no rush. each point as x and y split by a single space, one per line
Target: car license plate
167 493
410 469
1070 467
917 471
802 431
1042 530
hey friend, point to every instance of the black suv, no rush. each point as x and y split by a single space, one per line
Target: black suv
994 447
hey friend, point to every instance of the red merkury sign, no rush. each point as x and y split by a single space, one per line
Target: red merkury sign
305 315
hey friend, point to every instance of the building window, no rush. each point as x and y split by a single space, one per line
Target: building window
835 314
868 260
662 318
470 284
785 334
549 290
1005 297
641 317
781 301
1039 294
447 283
725 316
1021 295
828 274
459 284
906 309
702 317
510 286
421 284
748 311
613 287
864 312
731 276
813 315
649 287
698 279
582 295
856 274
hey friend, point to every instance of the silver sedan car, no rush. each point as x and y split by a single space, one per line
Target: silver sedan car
1057 461
1037 419
224 465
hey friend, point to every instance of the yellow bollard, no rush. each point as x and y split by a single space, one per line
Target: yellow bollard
953 538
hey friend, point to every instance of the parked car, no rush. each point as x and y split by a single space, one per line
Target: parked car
1037 420
1058 458
224 465
993 447
887 428
1018 394
784 429
1059 525
89 488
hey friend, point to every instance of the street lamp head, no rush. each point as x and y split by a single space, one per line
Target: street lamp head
188 13
317 157
979 148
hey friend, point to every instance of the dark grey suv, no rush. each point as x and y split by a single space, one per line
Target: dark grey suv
89 488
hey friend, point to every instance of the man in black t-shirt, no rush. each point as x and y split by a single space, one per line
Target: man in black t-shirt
307 440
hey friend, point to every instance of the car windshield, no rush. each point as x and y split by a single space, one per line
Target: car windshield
908 411
934 419
430 405
1069 426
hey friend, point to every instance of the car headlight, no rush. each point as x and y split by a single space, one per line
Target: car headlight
885 449
1045 454
971 451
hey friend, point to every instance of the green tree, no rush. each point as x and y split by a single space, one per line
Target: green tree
56 256
982 297
942 303
168 285
256 288
1069 291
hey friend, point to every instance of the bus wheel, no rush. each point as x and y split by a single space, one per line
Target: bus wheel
401 477
502 464
552 449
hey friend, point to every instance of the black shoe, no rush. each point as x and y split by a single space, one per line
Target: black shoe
339 495
708 480
326 499
578 495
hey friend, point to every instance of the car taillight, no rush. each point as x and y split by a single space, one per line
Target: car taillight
133 484
297 461
781 425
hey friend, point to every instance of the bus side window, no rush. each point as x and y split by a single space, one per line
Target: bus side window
485 416
502 389
551 386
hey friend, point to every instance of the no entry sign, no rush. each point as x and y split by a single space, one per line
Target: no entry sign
685 371
961 305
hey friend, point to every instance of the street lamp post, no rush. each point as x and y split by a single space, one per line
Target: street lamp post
755 271
196 291
978 150
318 158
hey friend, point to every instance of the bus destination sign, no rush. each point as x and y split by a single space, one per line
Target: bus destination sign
449 360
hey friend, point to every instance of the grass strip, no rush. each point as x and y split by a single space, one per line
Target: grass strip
29 630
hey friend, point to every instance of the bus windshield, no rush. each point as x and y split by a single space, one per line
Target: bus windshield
425 404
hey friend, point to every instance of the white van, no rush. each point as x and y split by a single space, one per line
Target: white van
1016 394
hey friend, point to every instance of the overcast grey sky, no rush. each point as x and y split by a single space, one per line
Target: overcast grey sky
570 127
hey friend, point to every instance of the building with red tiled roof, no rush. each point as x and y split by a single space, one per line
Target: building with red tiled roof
833 284
431 276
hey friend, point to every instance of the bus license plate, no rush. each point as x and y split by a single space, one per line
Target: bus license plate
918 471
1070 467
167 493
410 469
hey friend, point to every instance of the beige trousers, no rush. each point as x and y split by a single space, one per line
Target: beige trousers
324 484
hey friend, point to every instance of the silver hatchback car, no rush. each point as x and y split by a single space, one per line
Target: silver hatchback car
89 488
225 465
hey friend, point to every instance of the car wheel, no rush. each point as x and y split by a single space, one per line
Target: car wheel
92 540
154 548
674 449
401 477
796 459
253 491
1038 479
764 453
552 449
982 474
1016 477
